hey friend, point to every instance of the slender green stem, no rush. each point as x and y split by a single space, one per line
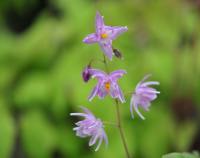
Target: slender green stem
110 123
105 63
121 129
119 124
96 61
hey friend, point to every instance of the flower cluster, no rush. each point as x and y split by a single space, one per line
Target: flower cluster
107 84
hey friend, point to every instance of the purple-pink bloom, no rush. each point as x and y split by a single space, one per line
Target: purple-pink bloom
104 35
107 84
90 127
143 96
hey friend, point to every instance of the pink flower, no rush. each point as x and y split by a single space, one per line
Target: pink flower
107 84
90 127
104 35
143 96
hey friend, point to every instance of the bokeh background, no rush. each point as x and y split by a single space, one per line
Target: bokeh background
42 57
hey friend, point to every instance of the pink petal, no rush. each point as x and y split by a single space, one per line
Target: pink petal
149 83
94 92
117 74
91 38
87 111
134 104
131 107
138 112
99 23
95 73
99 143
107 48
105 138
102 92
93 140
121 96
115 31
113 90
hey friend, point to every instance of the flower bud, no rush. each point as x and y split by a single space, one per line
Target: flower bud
117 53
86 74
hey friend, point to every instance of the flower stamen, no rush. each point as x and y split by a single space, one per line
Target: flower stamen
107 86
104 35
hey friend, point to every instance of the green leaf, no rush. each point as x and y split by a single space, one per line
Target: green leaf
7 131
182 155
37 132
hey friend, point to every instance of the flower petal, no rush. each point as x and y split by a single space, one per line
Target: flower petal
145 78
137 110
131 108
91 38
149 83
106 47
115 31
134 104
99 143
145 104
113 90
99 23
95 73
93 139
87 111
78 114
149 96
102 92
147 90
105 137
121 96
94 92
117 74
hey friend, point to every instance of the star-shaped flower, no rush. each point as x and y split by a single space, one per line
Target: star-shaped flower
107 84
104 35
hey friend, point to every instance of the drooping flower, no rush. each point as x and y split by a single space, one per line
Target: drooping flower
107 84
104 35
90 127
143 96
86 74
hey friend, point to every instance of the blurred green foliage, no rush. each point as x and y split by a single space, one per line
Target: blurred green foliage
41 83
182 155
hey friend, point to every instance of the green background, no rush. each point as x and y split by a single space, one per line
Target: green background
42 56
